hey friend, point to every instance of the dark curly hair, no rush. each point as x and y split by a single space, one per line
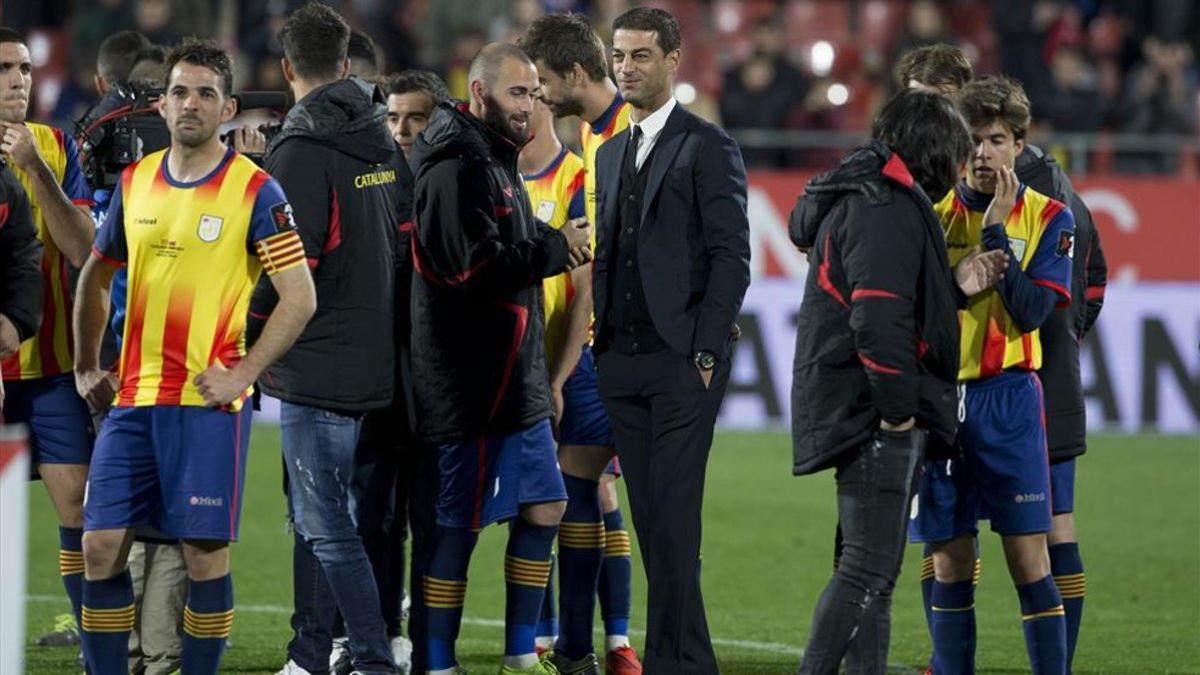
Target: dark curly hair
930 136
561 40
940 66
203 53
996 98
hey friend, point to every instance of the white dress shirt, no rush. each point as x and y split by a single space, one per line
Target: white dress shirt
651 127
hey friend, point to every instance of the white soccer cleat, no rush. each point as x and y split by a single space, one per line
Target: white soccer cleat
290 668
402 649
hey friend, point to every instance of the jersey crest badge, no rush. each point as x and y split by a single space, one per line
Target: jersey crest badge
210 228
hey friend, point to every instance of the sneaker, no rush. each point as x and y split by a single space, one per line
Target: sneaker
622 661
543 667
402 649
341 661
584 666
290 668
65 633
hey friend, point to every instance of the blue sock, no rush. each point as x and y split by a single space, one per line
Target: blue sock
107 618
953 611
1067 568
1045 624
445 589
70 566
580 554
616 576
207 620
526 571
547 626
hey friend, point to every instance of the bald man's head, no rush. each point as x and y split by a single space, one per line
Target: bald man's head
503 84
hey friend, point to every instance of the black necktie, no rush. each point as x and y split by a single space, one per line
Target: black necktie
631 150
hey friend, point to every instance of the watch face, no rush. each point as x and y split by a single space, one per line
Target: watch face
706 360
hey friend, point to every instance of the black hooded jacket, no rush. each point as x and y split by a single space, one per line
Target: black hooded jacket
478 345
351 195
1065 328
877 335
20 258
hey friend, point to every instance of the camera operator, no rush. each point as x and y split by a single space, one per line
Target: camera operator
351 189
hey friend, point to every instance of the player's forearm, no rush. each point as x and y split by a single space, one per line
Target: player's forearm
69 227
91 313
579 319
285 324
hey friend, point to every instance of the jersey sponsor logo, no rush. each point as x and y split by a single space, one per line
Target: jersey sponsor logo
1018 247
145 221
197 500
210 228
545 210
1030 497
374 178
1066 244
281 215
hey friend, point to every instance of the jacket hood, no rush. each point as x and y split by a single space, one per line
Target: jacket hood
454 132
870 171
347 115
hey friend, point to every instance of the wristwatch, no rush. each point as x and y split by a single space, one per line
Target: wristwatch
704 360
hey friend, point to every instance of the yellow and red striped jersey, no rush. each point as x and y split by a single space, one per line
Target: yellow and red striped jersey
49 351
194 252
1041 234
591 136
556 194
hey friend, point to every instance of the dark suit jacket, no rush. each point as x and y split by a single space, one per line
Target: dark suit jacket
694 239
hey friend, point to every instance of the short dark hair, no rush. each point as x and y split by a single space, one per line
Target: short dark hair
361 51
142 74
658 20
315 40
995 98
11 35
485 67
561 40
117 55
930 136
203 53
939 65
422 81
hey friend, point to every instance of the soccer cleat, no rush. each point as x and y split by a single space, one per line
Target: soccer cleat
290 668
341 661
622 661
543 667
402 649
928 671
584 666
65 633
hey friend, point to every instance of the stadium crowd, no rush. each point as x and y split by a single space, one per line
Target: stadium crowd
467 323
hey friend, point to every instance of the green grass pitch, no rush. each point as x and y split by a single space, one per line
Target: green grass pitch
767 555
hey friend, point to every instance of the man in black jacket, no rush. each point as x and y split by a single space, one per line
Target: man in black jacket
672 267
877 350
20 268
944 69
481 391
350 184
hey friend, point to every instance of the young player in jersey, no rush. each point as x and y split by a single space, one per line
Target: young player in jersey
193 226
1005 463
573 73
944 69
40 390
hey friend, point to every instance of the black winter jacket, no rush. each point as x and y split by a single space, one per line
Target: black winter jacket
1066 327
877 335
351 194
478 352
20 258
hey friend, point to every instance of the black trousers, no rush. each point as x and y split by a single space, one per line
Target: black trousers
875 485
663 417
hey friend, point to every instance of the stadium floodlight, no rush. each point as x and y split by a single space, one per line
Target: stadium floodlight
685 93
837 93
820 56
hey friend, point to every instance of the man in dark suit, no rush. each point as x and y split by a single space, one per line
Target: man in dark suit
672 266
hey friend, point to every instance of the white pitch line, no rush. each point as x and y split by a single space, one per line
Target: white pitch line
770 647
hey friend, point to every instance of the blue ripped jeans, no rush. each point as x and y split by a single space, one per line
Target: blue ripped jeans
318 451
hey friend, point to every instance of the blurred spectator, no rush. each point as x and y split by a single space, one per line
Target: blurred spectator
466 45
602 15
520 14
1023 28
448 24
761 92
924 25
1160 98
390 24
153 19
93 24
1076 104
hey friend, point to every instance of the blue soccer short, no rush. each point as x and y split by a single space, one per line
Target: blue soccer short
60 426
584 420
487 480
179 469
1062 487
1004 472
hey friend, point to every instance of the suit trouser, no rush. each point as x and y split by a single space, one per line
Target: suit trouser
160 592
663 417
